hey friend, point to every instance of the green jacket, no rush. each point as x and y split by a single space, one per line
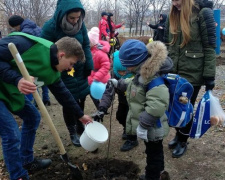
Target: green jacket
37 64
78 85
149 106
196 61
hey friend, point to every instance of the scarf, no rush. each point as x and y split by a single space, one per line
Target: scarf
68 28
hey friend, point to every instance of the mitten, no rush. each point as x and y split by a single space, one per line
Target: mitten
142 133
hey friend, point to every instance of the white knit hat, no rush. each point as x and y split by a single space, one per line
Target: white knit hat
93 35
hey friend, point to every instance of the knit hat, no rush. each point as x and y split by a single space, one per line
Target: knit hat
104 13
93 35
132 53
117 66
15 20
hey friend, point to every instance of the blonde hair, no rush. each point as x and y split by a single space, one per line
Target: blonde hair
181 19
71 47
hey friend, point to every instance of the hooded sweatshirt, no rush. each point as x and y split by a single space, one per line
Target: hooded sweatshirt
56 28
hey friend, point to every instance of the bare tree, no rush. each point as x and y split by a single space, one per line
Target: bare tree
36 10
144 6
128 11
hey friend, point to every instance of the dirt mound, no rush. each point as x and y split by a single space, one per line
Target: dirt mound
91 169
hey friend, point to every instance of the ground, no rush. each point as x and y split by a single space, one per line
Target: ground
204 159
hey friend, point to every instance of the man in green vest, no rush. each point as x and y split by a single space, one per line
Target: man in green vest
44 60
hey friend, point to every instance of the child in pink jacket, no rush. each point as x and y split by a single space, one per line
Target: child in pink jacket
99 51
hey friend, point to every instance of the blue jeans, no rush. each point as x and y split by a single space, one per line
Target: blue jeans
18 146
45 96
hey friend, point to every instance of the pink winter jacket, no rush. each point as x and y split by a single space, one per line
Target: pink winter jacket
101 63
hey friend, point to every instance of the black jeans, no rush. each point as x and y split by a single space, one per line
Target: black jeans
154 160
121 113
183 133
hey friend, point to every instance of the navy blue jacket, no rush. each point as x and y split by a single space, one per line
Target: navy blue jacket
30 27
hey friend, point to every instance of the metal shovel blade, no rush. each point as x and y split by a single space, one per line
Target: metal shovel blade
75 172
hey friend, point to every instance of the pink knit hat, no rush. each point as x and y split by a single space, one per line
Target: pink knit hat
93 35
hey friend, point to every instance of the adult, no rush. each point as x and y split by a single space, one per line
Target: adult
27 26
159 28
114 40
104 27
112 25
191 38
68 20
17 145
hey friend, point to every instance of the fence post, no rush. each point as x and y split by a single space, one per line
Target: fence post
218 40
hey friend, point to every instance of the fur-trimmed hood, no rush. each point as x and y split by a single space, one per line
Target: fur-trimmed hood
157 63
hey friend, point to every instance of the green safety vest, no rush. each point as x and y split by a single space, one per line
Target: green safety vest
38 64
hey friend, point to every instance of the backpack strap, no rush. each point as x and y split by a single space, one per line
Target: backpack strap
155 82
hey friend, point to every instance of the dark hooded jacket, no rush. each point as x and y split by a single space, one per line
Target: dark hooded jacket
158 32
78 85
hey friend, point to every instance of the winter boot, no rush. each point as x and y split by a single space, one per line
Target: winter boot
164 175
130 143
173 143
180 149
37 165
124 135
142 177
74 136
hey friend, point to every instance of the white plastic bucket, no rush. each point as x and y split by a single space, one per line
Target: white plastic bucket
93 136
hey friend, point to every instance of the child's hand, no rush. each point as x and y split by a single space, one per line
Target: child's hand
98 116
85 119
114 82
142 133
26 87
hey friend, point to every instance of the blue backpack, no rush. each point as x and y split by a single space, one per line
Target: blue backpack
180 108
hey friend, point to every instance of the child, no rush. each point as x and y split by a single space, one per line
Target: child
119 71
146 116
17 145
99 50
29 27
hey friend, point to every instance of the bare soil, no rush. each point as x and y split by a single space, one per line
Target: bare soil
204 159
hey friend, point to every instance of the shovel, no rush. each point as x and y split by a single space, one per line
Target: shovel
74 169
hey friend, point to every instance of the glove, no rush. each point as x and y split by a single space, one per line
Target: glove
98 116
142 133
114 82
209 84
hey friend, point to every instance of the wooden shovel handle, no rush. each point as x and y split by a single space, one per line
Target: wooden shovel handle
37 98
